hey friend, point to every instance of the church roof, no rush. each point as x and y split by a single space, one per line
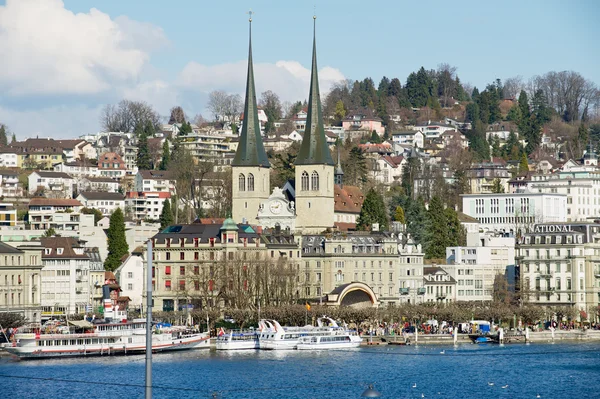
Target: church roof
314 149
250 151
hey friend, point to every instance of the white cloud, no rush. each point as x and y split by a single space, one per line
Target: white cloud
47 49
289 79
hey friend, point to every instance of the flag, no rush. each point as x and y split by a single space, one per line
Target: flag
307 306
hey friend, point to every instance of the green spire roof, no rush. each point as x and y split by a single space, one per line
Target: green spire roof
250 151
229 225
314 149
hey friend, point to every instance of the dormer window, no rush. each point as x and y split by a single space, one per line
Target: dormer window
47 251
59 251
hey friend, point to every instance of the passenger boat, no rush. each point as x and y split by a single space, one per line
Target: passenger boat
237 340
343 340
275 337
114 335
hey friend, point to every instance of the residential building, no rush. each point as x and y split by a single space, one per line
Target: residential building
79 168
76 149
155 181
433 130
60 214
20 269
8 215
37 153
410 273
412 138
110 164
138 233
440 286
106 202
52 184
105 184
143 205
454 139
10 185
191 263
348 202
559 265
96 278
361 122
387 169
130 276
330 261
9 158
511 213
484 177
65 277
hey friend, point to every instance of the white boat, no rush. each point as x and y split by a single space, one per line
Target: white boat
275 337
104 339
237 340
342 340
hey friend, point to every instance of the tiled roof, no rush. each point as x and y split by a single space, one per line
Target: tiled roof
66 243
156 174
347 199
101 180
50 174
102 195
54 202
149 194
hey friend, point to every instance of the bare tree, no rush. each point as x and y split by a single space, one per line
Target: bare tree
199 120
177 115
126 115
233 108
217 104
446 78
513 86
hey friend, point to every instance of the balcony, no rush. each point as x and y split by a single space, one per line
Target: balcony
441 296
404 291
421 291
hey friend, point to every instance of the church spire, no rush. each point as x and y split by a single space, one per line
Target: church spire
250 151
339 173
314 149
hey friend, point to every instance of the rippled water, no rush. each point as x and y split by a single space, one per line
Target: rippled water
552 371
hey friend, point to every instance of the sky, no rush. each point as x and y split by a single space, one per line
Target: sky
61 61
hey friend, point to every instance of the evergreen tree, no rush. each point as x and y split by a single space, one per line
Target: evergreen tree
475 94
523 164
375 139
395 88
409 173
436 230
166 215
582 136
49 233
419 88
13 139
477 142
399 215
143 160
511 147
372 211
3 136
185 129
457 236
497 187
472 112
166 156
117 244
416 216
514 114
355 168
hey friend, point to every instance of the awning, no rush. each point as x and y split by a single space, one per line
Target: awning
81 323
583 314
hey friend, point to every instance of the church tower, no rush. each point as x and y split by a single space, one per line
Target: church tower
250 166
314 165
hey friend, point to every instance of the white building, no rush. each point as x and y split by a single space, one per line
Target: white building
138 233
130 276
65 277
143 205
106 202
433 130
55 184
78 168
10 185
514 212
60 214
440 286
154 181
410 137
410 273
98 184
8 158
579 183
559 264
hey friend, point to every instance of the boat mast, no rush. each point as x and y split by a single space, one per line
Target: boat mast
149 321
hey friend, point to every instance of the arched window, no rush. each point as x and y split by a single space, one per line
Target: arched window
315 181
242 182
250 182
305 181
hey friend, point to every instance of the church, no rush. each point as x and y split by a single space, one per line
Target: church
305 205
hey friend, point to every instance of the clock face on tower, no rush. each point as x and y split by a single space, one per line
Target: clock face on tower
276 207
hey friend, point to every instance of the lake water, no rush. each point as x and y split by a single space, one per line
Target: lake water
550 370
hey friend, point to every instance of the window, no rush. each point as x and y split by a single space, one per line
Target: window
182 256
181 285
314 181
196 255
196 270
250 182
129 274
167 285
196 285
168 256
304 180
168 270
182 270
130 287
242 182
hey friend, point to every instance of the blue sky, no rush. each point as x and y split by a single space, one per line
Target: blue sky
66 59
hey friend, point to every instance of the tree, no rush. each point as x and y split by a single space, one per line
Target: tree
13 139
372 211
472 112
436 230
355 167
457 236
143 161
270 103
166 156
93 211
375 139
409 173
399 215
3 136
477 142
497 187
128 115
340 111
523 164
50 232
419 88
117 244
416 217
12 320
177 115
217 104
582 135
166 215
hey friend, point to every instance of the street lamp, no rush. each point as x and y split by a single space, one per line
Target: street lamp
370 392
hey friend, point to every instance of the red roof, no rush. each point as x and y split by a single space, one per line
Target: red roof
348 199
54 202
151 194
